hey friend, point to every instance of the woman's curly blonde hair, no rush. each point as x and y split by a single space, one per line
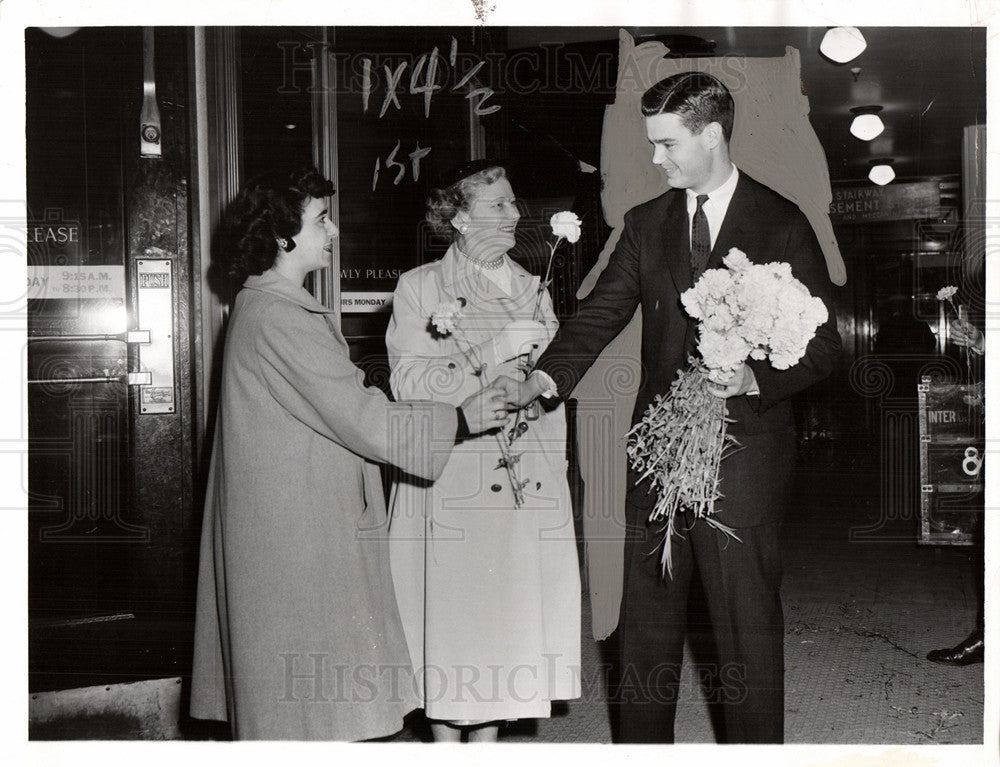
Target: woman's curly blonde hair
443 204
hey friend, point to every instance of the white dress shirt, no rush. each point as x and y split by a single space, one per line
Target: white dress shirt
715 207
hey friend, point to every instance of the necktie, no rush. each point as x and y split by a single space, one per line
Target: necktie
701 240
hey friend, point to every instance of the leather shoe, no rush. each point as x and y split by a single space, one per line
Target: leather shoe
965 653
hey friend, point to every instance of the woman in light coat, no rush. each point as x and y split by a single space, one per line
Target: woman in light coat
488 588
297 635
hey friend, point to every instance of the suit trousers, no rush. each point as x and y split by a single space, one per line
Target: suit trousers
741 584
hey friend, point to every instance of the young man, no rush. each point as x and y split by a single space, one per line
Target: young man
665 245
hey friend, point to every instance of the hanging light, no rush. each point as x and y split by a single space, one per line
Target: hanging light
881 172
867 124
841 44
60 32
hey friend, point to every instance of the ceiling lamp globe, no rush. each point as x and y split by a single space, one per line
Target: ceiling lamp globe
841 44
881 174
867 126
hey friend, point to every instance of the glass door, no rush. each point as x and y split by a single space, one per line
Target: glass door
80 525
112 526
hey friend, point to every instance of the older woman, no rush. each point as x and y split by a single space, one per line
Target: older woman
297 634
488 587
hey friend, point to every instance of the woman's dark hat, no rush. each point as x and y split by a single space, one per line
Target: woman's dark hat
452 176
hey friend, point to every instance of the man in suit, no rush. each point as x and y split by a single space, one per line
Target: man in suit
665 245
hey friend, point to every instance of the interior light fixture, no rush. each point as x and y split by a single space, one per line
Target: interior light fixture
867 124
60 32
841 44
881 172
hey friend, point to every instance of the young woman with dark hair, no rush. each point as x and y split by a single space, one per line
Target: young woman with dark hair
297 635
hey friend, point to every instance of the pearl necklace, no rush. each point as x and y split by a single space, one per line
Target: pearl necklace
487 265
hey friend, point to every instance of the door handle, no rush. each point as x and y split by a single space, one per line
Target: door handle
141 378
128 337
129 379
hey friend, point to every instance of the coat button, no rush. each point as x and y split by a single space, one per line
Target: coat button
496 488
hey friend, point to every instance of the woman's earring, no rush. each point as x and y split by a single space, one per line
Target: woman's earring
285 245
463 228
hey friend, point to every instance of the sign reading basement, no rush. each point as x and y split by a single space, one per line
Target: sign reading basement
893 202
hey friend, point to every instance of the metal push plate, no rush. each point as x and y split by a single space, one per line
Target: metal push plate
155 313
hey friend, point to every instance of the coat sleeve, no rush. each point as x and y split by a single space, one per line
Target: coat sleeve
424 366
311 376
600 317
803 254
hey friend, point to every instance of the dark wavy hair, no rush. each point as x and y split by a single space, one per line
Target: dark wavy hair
268 207
458 191
695 97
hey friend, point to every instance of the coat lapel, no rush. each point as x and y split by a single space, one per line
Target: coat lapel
677 241
733 233
460 279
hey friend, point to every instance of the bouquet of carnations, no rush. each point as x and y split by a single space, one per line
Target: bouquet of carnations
745 310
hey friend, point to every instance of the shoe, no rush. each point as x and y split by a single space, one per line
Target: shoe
965 653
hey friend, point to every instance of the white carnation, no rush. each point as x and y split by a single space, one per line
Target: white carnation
711 290
736 260
566 224
446 316
947 293
722 351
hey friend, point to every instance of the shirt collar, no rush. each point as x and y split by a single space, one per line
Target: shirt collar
719 197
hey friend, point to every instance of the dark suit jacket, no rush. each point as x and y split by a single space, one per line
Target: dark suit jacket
651 266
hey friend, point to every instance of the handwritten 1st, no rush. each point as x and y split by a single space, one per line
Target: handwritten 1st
423 80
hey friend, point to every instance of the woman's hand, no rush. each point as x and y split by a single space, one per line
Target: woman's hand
963 333
519 337
520 393
486 409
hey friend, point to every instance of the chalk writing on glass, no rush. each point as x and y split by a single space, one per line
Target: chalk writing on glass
425 81
366 83
391 81
391 162
428 75
429 85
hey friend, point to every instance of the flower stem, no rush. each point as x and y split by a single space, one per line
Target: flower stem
679 445
544 284
479 367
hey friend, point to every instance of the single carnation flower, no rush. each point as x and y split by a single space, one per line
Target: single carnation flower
566 224
736 260
446 315
947 293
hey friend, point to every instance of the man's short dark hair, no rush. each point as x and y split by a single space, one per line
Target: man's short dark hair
695 97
